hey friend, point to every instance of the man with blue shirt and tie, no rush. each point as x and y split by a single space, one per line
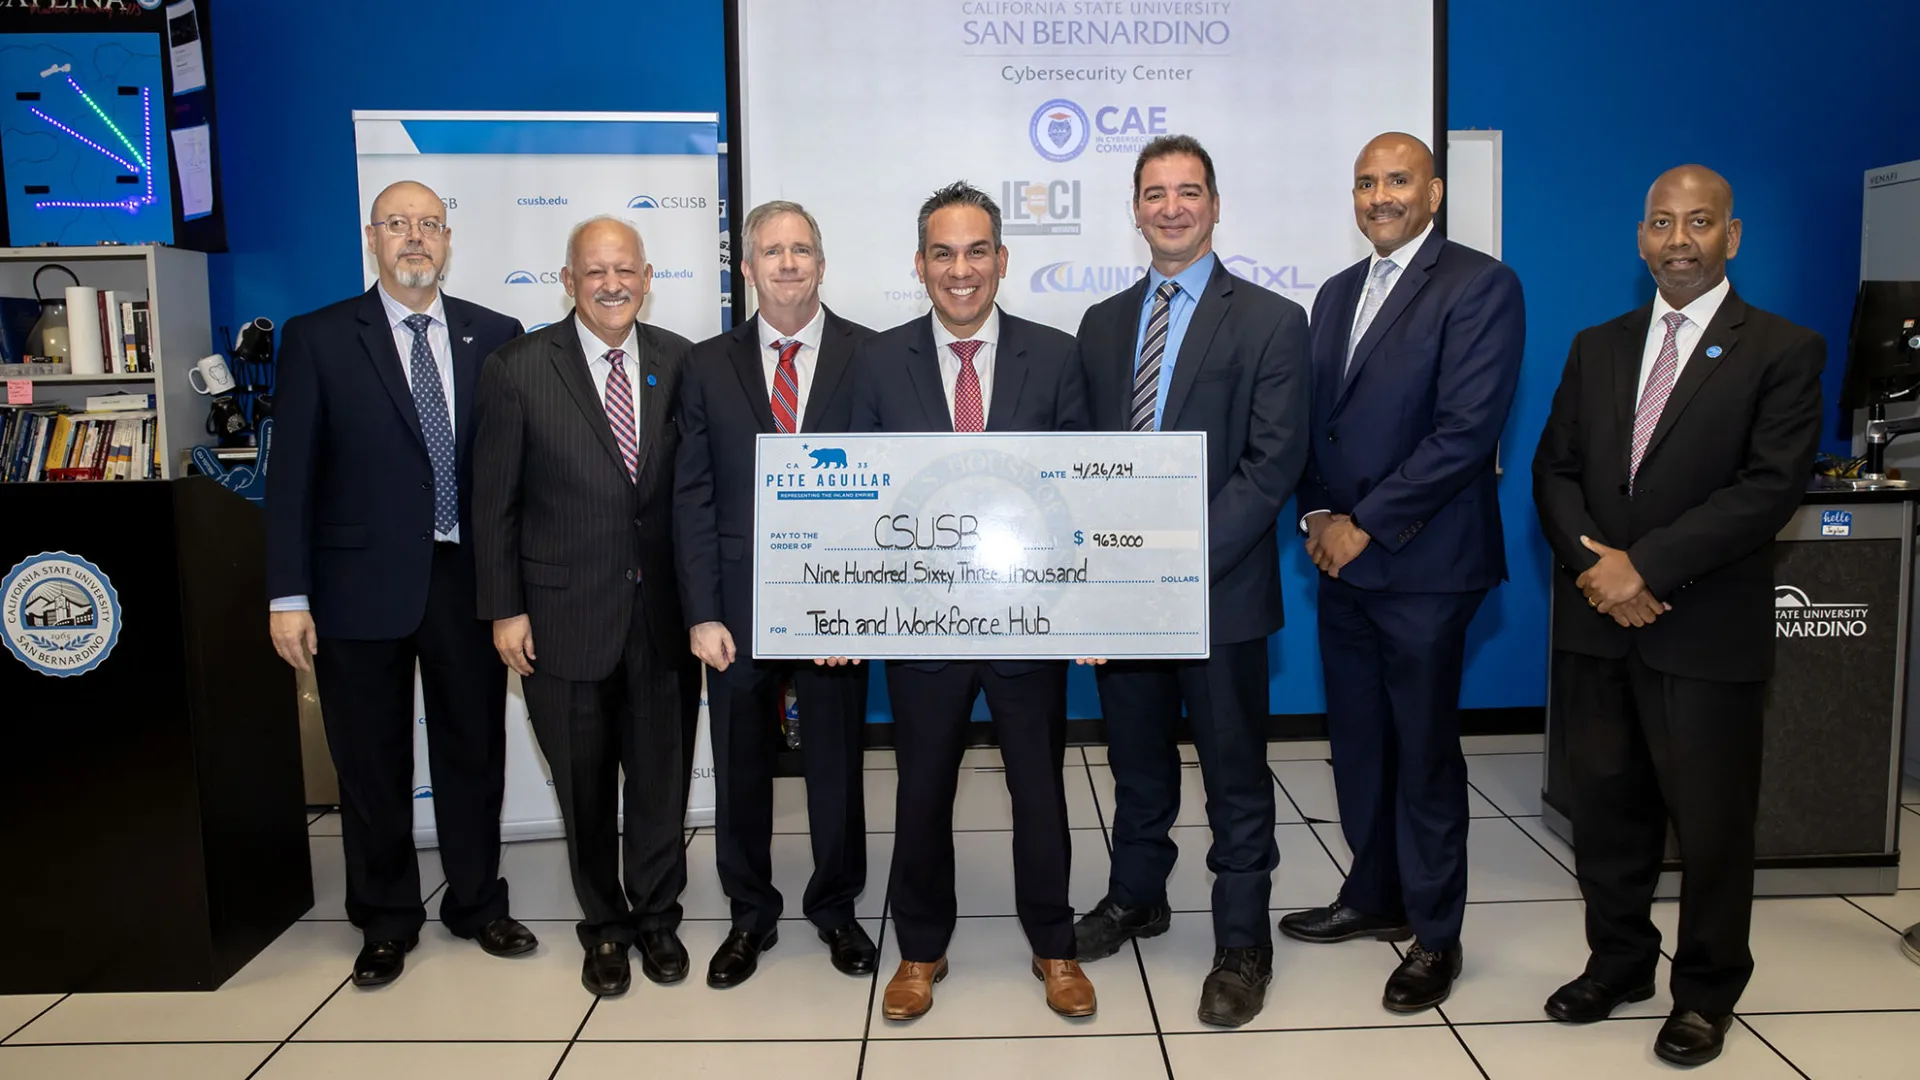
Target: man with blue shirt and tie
370 563
1193 348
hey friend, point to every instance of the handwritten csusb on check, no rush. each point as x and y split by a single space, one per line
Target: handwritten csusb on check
931 546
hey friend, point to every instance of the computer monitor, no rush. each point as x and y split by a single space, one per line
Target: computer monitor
1883 349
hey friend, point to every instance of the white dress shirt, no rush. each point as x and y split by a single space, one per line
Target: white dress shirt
989 337
1698 314
599 367
1400 256
804 361
442 346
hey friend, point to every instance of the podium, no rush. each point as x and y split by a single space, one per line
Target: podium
152 820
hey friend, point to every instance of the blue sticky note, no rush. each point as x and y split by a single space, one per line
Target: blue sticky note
652 381
1712 351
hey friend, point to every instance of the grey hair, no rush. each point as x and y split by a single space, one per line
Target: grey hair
766 212
959 193
574 235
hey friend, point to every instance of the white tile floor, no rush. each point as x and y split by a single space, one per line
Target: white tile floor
1832 996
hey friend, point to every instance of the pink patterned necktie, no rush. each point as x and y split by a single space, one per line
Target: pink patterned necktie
968 415
1653 399
620 409
786 388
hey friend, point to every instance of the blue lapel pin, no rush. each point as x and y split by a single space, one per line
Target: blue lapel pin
1712 352
654 381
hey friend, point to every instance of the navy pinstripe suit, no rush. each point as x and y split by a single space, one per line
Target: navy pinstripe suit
564 537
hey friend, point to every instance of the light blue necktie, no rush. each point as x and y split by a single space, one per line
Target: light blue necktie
430 401
1378 285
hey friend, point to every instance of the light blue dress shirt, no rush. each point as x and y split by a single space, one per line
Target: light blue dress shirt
1192 282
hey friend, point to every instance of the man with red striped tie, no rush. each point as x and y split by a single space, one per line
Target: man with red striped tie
782 371
573 494
970 367
1679 443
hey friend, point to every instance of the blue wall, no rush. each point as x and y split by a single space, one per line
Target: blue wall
1792 105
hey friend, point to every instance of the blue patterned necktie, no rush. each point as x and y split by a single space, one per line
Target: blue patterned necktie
1146 377
1378 285
430 401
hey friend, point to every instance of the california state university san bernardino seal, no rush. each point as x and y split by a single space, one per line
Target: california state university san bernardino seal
59 615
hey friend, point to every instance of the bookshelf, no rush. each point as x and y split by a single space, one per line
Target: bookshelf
174 282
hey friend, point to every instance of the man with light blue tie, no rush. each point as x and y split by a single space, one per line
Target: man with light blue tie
370 564
1416 352
1191 347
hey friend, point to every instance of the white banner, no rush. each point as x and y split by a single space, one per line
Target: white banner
514 185
1044 105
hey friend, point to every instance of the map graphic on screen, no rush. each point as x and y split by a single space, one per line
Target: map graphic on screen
83 139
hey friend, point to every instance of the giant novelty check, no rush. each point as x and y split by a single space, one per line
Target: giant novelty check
941 545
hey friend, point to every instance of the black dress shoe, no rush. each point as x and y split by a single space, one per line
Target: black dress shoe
506 937
1692 1038
1338 922
1424 979
1100 932
1236 988
1586 1000
381 962
606 972
662 957
852 950
738 957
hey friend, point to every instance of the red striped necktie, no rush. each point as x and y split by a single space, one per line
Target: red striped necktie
786 388
620 409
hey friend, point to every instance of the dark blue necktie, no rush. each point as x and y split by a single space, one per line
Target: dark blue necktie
430 401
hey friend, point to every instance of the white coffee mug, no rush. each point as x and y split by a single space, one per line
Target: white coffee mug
213 373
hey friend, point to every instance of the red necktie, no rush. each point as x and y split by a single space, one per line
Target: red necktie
620 409
1653 399
786 388
967 412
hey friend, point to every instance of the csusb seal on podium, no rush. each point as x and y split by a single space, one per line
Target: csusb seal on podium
59 615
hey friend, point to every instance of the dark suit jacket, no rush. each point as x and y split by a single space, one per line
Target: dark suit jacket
1405 440
562 532
1724 471
724 404
1037 386
1241 377
349 509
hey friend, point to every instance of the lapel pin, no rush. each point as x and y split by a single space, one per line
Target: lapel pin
1713 351
466 341
653 381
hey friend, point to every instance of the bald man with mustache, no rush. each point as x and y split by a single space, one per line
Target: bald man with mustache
1680 442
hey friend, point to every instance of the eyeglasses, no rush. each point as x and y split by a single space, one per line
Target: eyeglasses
399 226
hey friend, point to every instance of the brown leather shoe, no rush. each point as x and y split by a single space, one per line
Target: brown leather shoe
910 992
1069 991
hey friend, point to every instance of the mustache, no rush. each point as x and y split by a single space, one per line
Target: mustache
415 247
612 296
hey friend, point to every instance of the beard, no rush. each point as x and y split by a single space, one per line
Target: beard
417 279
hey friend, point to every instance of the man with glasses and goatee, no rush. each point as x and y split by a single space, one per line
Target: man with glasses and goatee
370 564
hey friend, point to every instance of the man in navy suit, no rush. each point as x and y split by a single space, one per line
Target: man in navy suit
1191 347
784 370
972 367
1416 351
371 572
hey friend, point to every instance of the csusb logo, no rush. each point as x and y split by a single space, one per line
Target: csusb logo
1040 208
667 202
1060 130
529 277
1796 616
59 615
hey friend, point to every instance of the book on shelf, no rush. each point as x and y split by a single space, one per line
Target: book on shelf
51 442
118 402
